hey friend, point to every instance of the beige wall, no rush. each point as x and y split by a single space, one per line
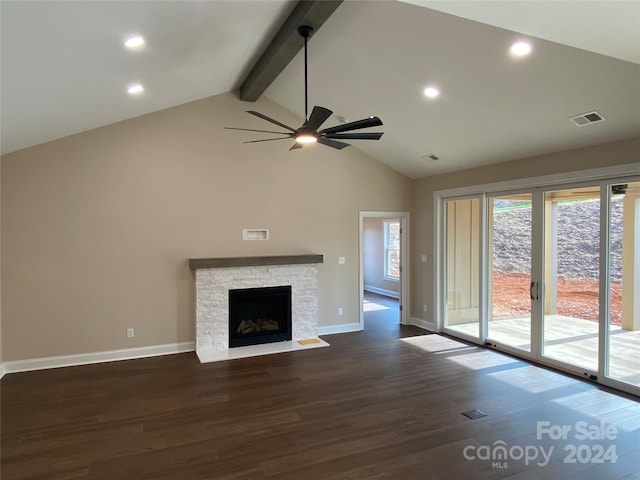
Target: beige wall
97 227
422 221
0 261
373 243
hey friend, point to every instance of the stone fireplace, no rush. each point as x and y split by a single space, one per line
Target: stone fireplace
217 278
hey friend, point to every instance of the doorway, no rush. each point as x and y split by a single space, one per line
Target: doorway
383 266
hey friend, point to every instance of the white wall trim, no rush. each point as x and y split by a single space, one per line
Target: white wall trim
593 174
1 370
424 324
381 291
96 357
341 328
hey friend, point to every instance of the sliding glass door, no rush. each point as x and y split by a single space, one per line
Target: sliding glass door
509 280
571 277
551 274
622 346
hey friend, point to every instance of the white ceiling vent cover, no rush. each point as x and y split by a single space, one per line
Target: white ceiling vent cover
587 118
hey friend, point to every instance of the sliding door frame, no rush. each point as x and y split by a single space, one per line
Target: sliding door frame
602 177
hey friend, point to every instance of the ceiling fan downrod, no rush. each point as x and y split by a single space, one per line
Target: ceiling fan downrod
305 31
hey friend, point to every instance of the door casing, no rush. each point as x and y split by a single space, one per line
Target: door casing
404 263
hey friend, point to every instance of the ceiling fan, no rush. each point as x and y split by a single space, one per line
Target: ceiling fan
308 132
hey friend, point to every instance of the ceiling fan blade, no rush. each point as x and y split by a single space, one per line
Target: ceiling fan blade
252 130
295 145
332 143
269 119
364 123
317 118
355 136
266 140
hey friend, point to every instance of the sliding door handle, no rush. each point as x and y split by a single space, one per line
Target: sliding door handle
536 295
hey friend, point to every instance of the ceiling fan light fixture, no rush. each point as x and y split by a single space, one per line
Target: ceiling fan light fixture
306 138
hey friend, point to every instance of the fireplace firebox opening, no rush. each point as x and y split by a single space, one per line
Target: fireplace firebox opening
259 315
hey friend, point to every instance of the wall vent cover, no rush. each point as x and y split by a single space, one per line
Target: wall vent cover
587 118
255 234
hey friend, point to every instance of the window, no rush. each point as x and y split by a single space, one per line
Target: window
392 249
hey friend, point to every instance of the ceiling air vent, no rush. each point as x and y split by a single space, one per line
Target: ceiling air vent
587 118
430 156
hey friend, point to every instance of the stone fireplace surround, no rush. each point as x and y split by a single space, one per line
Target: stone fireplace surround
214 277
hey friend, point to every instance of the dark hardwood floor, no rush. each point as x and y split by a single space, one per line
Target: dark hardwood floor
384 403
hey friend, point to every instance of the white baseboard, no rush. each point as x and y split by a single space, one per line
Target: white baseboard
382 291
1 370
418 322
97 357
342 328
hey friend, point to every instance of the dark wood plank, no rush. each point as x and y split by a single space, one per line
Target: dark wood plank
285 45
384 403
222 262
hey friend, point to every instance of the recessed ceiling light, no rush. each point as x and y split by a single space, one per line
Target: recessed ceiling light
431 92
135 89
521 49
135 41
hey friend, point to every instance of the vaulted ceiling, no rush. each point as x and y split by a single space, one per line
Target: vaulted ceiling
64 70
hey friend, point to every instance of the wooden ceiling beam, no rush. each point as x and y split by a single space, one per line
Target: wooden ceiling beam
285 45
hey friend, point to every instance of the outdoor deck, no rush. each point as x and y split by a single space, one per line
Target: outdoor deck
570 340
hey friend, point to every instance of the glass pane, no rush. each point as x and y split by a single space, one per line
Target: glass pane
624 284
571 288
462 311
510 274
393 234
393 263
392 249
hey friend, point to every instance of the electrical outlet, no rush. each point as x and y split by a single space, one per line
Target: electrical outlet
341 260
130 333
424 259
424 308
340 311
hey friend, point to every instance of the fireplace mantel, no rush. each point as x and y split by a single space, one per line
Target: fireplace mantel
223 262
